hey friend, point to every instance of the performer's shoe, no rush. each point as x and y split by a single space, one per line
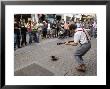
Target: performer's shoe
81 68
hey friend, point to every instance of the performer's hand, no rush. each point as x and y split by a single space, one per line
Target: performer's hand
66 43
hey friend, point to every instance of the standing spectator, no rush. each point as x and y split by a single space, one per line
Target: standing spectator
29 29
94 29
90 28
16 35
23 34
48 30
39 30
71 28
45 29
58 28
53 30
66 28
35 32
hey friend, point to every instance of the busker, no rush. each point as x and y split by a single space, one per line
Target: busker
81 37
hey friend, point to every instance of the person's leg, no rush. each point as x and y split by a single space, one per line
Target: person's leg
58 31
45 33
79 59
91 31
15 41
22 41
54 33
25 39
37 37
67 32
30 37
18 41
78 56
95 33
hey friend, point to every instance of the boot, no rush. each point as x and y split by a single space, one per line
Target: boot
81 68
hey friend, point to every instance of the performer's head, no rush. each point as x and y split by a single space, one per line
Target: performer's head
73 27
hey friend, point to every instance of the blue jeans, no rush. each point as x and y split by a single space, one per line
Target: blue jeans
30 37
36 37
94 32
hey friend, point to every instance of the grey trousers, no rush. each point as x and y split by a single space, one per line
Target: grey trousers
81 51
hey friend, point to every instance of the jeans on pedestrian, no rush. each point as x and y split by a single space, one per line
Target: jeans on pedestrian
30 37
81 51
35 34
44 32
38 36
15 39
94 32
23 39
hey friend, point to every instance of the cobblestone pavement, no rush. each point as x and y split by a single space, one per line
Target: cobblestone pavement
35 58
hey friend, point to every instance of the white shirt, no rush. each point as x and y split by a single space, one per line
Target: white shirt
80 36
48 25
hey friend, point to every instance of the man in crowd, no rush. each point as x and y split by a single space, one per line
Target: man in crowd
23 33
94 29
45 26
35 32
66 28
16 35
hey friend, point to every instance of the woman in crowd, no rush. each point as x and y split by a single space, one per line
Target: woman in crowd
29 29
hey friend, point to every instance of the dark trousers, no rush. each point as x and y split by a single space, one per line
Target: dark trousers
30 37
57 30
66 32
16 40
23 39
35 37
44 32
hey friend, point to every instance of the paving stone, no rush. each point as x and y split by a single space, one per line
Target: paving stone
33 70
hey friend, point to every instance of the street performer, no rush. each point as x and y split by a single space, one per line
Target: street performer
81 37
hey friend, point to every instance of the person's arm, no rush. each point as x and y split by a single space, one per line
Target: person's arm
71 43
75 42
